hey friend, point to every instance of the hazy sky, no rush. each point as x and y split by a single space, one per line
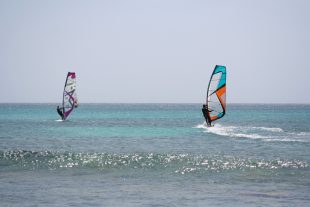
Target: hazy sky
155 50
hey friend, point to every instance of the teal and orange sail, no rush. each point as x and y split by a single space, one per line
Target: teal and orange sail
216 95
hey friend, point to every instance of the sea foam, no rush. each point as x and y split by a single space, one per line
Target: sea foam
254 132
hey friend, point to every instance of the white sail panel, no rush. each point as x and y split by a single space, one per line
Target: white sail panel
69 94
216 97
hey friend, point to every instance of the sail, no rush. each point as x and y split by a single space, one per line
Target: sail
216 96
69 101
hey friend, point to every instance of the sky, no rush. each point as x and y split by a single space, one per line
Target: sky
154 51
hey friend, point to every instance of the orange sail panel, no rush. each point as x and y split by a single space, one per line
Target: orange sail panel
216 95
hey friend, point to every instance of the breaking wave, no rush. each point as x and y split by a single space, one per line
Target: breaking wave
174 163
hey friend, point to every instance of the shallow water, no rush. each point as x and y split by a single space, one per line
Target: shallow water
154 155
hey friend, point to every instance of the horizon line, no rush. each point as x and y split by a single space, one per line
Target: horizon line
276 103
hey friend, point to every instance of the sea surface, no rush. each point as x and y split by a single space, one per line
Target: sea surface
154 155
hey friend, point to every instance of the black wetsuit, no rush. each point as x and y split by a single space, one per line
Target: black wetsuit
206 115
60 113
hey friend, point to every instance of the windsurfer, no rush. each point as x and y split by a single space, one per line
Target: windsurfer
60 112
76 103
206 112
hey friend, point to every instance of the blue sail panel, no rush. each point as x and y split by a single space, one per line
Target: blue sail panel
216 96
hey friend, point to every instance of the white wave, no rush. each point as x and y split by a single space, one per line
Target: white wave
201 126
270 129
253 132
303 134
233 131
283 140
59 120
252 136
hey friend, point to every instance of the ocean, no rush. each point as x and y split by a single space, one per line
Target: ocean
154 155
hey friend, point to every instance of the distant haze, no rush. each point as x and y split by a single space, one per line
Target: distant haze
155 51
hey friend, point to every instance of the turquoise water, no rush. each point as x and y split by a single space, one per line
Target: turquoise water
154 155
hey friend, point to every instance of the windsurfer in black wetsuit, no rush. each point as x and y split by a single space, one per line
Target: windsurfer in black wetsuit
60 112
205 111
